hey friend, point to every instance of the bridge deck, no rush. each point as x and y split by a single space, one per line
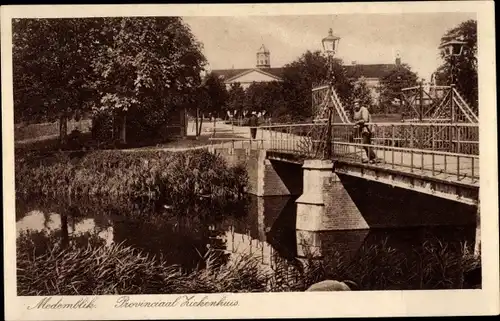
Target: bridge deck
460 169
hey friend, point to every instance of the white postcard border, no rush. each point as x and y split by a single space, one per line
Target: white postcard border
346 304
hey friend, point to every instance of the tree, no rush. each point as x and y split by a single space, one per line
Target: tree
362 93
52 67
151 67
393 82
309 70
265 96
217 94
210 98
236 99
465 66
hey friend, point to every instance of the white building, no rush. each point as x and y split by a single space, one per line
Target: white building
263 72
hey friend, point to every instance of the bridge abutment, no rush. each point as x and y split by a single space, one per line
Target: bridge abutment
264 178
325 204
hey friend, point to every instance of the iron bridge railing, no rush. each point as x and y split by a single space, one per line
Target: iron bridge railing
449 151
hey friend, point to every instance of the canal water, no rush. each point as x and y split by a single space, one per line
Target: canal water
396 259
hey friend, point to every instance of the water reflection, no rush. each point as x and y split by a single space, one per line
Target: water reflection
264 228
38 221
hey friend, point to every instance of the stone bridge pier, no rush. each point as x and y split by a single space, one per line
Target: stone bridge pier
325 204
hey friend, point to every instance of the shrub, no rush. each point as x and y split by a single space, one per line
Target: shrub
177 179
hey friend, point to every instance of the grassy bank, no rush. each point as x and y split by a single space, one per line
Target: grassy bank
33 131
44 267
172 178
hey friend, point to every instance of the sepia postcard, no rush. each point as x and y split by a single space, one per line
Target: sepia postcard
203 161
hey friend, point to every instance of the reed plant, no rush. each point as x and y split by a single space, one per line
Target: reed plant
381 267
173 178
46 267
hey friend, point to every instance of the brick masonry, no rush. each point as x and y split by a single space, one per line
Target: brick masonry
265 177
319 244
331 201
325 205
384 206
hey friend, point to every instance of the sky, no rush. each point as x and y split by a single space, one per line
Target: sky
232 42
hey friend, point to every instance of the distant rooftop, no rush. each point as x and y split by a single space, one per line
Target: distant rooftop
353 71
368 71
230 73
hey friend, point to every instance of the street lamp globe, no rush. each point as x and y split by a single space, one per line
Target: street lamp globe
330 43
452 48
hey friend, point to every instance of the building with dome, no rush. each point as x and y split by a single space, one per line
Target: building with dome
263 72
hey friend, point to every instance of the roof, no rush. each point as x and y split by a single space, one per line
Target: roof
368 71
352 71
230 73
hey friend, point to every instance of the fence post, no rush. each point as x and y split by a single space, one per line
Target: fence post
452 106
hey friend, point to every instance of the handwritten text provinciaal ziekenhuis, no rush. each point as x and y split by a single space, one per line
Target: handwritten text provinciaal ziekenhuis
182 301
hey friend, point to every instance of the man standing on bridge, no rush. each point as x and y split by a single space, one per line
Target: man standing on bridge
362 118
253 122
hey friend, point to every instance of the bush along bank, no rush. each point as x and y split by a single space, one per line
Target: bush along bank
175 179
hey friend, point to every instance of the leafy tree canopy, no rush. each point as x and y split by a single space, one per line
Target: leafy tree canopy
394 81
307 71
236 99
465 66
103 64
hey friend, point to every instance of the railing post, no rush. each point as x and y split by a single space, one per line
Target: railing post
262 138
421 100
457 133
328 144
411 136
411 159
432 138
433 164
452 104
393 145
472 164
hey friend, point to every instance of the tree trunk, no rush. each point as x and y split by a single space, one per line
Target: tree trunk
214 124
123 133
63 128
201 123
64 230
196 122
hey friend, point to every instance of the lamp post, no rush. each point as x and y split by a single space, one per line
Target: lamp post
400 92
330 44
452 49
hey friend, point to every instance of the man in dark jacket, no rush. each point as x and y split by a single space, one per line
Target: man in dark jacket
253 122
363 118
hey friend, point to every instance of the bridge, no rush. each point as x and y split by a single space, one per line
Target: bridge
438 159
